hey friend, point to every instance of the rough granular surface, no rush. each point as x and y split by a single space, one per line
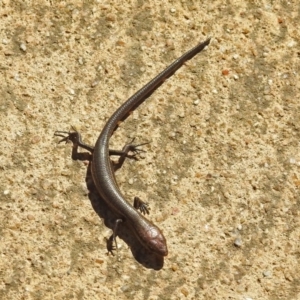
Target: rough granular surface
221 172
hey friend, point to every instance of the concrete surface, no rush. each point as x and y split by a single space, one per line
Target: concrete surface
222 171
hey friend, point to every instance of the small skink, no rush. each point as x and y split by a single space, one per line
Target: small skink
103 169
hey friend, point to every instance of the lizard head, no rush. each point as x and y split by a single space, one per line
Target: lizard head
153 239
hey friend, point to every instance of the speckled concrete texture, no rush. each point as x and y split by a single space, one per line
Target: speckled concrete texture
222 171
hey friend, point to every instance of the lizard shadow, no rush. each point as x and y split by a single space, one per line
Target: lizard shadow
142 255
